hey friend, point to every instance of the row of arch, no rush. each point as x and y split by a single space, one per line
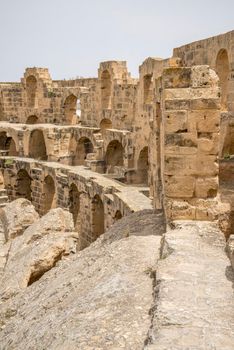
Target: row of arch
24 189
79 150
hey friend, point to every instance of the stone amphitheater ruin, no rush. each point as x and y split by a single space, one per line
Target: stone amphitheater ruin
103 148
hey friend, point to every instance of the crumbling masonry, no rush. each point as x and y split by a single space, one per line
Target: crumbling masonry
108 146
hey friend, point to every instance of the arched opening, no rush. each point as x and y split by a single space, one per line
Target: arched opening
118 215
114 156
97 217
70 109
79 153
49 198
148 89
37 147
31 89
7 145
105 90
32 119
222 69
78 108
143 166
105 124
23 185
74 205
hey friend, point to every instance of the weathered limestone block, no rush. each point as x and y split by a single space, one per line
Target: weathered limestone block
37 250
17 216
98 299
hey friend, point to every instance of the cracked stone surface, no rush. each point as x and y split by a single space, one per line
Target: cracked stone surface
194 306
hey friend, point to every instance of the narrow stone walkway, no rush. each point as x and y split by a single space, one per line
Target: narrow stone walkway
194 308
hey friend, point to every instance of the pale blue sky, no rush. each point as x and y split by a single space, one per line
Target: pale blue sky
71 37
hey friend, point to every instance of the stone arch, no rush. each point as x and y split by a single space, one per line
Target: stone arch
49 197
31 89
70 106
8 144
23 185
114 156
37 146
74 205
105 124
143 166
148 88
105 89
80 149
118 215
32 119
223 70
97 217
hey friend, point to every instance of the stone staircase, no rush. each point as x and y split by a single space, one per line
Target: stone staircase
95 160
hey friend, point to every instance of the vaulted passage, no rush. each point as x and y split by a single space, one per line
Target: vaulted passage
23 185
49 198
32 119
7 144
114 156
143 166
222 69
37 147
74 205
70 107
97 217
31 89
105 90
79 150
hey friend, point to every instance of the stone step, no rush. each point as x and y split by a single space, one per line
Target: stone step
91 156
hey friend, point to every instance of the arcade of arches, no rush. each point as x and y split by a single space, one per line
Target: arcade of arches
163 133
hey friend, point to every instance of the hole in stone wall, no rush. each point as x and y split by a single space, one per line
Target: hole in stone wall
37 147
49 198
97 217
74 205
79 150
114 156
118 215
70 107
23 185
7 144
143 166
32 119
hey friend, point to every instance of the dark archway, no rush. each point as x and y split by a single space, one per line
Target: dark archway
74 205
79 153
23 185
148 89
7 144
70 106
31 89
97 217
105 90
114 156
32 119
105 124
49 198
223 69
118 215
143 166
37 147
